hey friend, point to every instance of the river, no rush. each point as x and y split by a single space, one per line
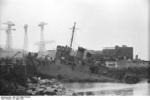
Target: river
110 89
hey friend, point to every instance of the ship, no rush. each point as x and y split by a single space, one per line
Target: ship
69 65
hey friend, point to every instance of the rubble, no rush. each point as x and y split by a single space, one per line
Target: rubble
37 87
47 87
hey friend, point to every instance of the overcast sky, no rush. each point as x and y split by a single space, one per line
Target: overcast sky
101 23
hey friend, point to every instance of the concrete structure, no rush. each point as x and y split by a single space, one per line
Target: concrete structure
25 46
9 35
42 41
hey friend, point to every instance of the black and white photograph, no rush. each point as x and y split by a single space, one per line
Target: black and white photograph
74 48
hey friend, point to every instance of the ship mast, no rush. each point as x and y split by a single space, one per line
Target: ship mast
73 30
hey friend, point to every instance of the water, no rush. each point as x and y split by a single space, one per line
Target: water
140 89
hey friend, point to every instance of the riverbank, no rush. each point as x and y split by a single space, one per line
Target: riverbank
34 86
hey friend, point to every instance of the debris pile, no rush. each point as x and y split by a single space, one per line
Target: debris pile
46 87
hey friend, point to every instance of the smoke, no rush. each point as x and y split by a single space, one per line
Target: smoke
2 4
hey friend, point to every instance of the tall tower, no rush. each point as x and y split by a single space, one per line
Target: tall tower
25 46
42 41
9 35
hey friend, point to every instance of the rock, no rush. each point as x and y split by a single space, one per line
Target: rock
69 93
29 91
47 87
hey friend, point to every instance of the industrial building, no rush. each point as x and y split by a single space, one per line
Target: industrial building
117 52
